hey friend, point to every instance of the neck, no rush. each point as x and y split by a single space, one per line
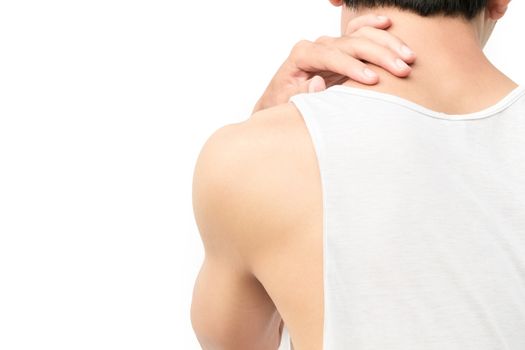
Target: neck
450 63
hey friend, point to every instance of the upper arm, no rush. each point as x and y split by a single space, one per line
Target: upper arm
230 308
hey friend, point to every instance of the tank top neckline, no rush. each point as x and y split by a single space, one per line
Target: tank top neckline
502 104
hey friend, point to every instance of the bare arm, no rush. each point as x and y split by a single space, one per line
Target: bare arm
230 308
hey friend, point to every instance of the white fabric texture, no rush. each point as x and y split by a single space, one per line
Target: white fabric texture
423 222
286 343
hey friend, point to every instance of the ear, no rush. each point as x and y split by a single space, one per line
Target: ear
336 3
497 8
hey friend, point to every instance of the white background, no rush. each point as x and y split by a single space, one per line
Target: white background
104 106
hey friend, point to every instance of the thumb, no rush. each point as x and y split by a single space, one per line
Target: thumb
314 84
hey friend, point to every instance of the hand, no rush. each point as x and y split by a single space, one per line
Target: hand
314 66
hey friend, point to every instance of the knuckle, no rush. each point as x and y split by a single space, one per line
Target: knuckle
330 49
300 46
301 55
323 39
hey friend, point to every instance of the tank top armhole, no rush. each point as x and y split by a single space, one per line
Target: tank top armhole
312 124
286 343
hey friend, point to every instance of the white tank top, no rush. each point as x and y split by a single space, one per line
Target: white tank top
423 222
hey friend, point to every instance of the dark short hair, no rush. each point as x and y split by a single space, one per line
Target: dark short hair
453 8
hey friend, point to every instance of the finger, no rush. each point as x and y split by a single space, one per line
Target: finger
386 39
367 50
381 22
313 57
331 78
316 84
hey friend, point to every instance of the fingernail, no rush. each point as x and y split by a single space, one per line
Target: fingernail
369 73
401 64
406 50
382 18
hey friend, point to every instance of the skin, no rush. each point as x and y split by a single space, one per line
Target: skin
263 251
315 66
467 73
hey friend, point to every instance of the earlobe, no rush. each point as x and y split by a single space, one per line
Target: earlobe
336 3
497 9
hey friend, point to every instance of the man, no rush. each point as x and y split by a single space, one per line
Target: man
373 217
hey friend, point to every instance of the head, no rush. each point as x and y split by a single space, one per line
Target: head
482 14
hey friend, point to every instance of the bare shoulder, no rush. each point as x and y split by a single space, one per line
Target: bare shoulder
256 200
257 171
